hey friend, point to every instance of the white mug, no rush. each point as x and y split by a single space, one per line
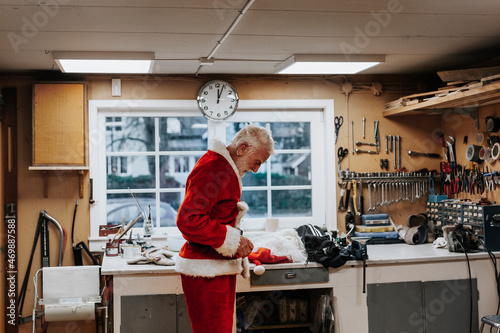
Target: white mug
272 224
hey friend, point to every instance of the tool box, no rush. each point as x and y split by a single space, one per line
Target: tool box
436 197
376 228
387 234
375 219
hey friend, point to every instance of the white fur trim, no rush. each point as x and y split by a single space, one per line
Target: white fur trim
208 267
220 148
246 268
259 270
243 209
231 243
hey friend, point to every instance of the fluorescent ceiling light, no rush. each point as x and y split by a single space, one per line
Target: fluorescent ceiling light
104 62
327 64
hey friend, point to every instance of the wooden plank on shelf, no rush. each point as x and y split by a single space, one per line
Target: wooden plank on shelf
469 74
470 97
491 78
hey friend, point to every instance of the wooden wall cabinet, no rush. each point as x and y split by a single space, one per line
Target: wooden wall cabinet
59 125
59 129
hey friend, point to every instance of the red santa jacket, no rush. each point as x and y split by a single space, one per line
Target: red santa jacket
209 216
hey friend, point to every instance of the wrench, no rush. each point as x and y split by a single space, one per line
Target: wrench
382 202
370 209
413 192
386 201
381 194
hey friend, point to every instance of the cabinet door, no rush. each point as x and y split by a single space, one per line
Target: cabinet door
422 307
395 307
448 306
148 313
59 124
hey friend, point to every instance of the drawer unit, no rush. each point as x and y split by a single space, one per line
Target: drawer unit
290 276
484 219
434 212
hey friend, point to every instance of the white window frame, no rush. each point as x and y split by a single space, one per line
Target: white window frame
324 177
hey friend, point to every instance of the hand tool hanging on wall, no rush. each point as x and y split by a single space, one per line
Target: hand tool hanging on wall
451 149
77 252
349 219
8 117
359 151
376 134
360 199
386 144
370 208
440 137
490 183
359 143
354 200
42 226
338 123
342 206
341 153
384 163
364 127
399 151
394 151
413 153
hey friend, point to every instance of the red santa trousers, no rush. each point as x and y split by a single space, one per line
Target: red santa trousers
210 302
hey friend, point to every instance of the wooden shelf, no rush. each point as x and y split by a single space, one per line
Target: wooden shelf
53 168
467 99
57 168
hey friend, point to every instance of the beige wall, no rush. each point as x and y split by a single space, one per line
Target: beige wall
63 187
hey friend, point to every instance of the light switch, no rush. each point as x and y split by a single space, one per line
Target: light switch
116 87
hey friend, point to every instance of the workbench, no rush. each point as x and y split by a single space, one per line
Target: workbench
388 265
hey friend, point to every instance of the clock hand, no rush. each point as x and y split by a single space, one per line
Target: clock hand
219 93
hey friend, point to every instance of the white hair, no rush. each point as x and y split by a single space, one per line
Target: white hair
256 137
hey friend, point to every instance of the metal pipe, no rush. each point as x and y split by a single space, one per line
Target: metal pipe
228 32
352 136
394 151
399 151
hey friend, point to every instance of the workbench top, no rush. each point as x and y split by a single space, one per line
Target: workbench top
377 255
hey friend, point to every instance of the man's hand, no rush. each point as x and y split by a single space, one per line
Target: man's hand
245 247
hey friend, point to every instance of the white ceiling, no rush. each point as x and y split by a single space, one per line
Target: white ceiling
423 36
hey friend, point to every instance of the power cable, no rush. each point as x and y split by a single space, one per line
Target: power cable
470 280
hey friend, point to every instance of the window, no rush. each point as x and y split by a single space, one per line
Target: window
147 151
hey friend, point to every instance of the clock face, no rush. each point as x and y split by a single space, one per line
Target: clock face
217 100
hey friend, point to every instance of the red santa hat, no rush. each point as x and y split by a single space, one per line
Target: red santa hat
264 256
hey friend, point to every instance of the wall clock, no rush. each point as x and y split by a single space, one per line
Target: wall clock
217 100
